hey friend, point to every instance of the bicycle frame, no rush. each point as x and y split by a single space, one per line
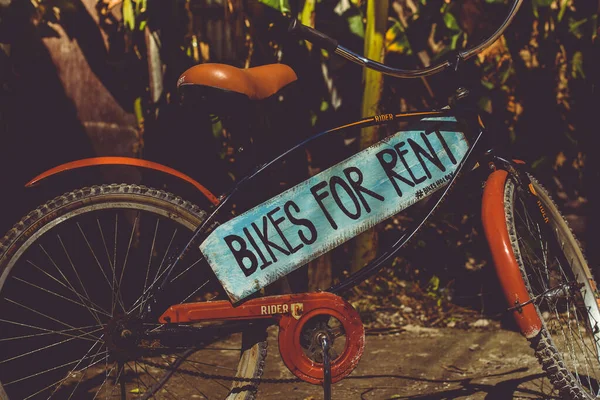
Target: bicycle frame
479 153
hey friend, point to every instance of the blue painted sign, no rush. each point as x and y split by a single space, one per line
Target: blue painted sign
273 239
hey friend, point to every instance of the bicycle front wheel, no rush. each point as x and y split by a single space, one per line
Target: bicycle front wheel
559 281
75 276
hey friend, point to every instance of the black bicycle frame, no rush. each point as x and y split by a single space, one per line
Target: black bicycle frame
479 151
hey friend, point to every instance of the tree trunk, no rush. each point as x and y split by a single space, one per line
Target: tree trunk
365 245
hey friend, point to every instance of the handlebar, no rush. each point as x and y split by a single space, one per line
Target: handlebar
331 45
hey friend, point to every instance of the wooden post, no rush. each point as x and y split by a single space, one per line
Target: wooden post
365 245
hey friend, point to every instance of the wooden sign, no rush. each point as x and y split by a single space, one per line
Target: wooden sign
273 239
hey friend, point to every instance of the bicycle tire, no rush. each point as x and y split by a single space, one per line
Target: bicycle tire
134 208
564 294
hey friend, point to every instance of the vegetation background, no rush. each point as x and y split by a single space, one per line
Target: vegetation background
80 78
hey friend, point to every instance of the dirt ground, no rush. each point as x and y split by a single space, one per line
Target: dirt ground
428 363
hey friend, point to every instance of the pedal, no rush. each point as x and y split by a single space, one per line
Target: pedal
304 320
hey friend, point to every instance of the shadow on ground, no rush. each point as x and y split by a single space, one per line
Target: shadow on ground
428 364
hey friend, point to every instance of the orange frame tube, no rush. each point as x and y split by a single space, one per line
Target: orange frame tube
133 162
507 268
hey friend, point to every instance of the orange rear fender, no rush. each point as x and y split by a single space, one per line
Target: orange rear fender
134 162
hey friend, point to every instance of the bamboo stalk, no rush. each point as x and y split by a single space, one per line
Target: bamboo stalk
365 245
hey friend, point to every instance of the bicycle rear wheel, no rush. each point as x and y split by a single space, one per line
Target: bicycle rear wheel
80 268
557 277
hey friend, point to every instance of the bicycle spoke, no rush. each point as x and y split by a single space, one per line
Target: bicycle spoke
95 257
134 307
46 371
532 257
108 372
149 262
68 283
62 297
569 343
43 315
46 347
212 379
194 292
48 331
118 288
160 385
59 382
78 279
164 257
209 365
187 269
135 222
114 289
585 354
137 376
82 373
159 273
187 382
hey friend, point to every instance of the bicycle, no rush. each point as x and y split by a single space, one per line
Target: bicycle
125 306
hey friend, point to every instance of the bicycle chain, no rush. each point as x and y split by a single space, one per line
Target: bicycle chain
198 374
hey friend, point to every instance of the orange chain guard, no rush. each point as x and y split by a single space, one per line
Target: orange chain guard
292 312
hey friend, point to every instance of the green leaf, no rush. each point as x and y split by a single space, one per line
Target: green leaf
324 106
138 111
128 15
451 22
487 84
397 41
454 41
307 12
281 5
574 27
140 12
217 127
357 26
577 65
563 9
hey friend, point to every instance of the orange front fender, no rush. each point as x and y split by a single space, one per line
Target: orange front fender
507 268
134 162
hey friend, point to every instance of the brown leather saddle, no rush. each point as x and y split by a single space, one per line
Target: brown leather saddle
256 83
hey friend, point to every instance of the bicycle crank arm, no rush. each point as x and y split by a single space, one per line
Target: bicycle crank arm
303 320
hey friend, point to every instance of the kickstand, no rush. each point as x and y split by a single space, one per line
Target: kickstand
326 367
